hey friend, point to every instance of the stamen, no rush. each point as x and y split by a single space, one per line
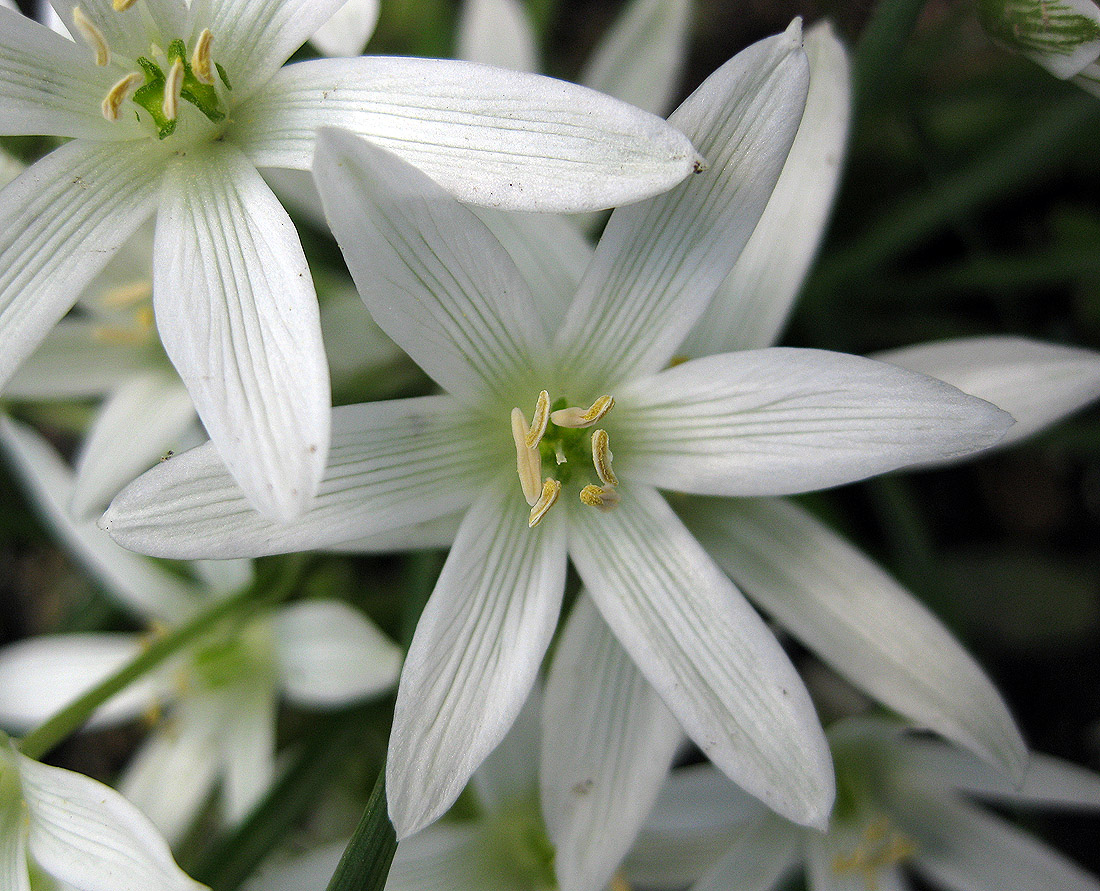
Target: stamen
540 419
528 461
92 36
601 457
551 489
173 84
603 497
122 5
119 93
575 417
200 59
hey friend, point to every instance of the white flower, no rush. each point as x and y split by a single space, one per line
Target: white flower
902 805
754 423
173 106
79 832
219 695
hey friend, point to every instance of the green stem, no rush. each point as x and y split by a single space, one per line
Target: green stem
53 731
367 858
876 54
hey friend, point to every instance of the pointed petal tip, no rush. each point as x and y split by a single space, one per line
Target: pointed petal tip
793 34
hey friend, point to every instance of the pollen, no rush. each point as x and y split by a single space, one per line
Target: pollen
575 417
122 5
92 36
201 65
882 847
551 489
601 458
603 497
539 420
173 84
119 93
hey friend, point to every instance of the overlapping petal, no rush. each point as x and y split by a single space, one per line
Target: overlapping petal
608 742
475 654
705 650
349 29
489 136
238 317
659 262
392 464
764 852
778 421
60 222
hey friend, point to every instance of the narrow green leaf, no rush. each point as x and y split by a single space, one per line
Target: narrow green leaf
367 858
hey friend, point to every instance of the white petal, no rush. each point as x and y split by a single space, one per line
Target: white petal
437 533
139 583
60 222
224 576
248 745
392 464
489 136
753 302
777 421
823 851
497 32
238 316
712 659
252 38
290 871
640 59
763 853
658 263
608 742
1048 782
39 676
125 34
13 841
451 858
52 86
131 431
174 771
86 834
961 847
349 29
330 654
475 653
434 278
1037 383
356 346
858 620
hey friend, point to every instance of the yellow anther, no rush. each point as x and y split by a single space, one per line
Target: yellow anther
618 883
883 847
122 5
201 66
92 36
575 417
119 93
551 489
539 420
144 318
173 83
129 293
601 458
528 461
603 497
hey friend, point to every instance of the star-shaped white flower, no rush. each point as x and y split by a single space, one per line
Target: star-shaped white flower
77 831
591 456
174 105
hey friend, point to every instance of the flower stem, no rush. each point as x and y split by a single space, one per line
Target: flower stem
264 592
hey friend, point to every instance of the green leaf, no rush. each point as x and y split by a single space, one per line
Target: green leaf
367 858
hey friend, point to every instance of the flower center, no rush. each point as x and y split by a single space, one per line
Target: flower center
560 433
881 847
157 82
131 309
518 838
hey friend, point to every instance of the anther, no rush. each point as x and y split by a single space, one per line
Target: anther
603 497
119 93
122 5
539 420
92 36
551 489
200 58
528 461
575 417
601 457
173 84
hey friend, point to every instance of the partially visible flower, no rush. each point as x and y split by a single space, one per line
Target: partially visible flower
902 805
77 831
213 706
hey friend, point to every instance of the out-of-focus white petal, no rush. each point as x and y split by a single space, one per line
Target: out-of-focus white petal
640 59
132 430
86 834
1037 383
392 464
659 262
498 32
508 777
489 136
238 316
60 222
349 29
450 858
330 654
752 304
138 582
39 676
306 871
777 421
248 745
14 875
712 659
827 855
475 653
356 346
765 850
859 620
433 276
607 744
224 576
